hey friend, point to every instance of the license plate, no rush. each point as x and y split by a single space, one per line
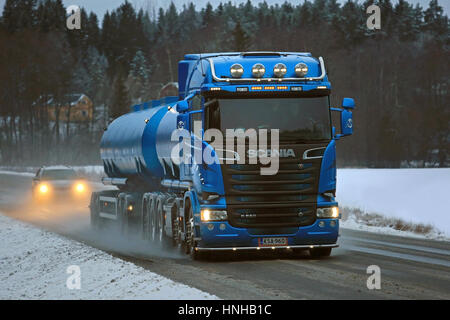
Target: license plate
272 242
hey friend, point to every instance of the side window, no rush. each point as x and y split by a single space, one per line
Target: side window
212 115
196 103
196 115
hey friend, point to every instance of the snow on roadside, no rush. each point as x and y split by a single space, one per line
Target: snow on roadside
416 196
352 222
34 262
24 174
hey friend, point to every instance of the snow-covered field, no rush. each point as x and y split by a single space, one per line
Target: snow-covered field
413 195
34 265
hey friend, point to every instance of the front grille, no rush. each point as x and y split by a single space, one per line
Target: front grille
286 199
275 215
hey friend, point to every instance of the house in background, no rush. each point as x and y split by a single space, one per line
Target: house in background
170 89
75 107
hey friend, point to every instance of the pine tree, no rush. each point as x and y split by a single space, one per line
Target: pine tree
241 39
120 100
139 77
51 16
19 15
436 23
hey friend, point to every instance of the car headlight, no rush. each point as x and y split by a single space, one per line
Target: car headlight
79 187
214 215
330 212
43 188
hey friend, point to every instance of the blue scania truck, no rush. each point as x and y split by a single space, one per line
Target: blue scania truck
228 204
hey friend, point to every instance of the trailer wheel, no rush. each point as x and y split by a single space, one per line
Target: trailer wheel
320 252
153 218
145 232
159 212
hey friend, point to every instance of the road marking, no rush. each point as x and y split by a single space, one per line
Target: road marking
404 246
403 256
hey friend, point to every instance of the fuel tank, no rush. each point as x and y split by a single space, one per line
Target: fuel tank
138 145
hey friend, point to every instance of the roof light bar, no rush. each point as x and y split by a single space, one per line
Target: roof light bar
319 78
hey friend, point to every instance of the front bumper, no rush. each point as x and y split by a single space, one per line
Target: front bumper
270 248
222 236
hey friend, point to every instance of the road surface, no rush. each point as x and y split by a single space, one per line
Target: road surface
410 268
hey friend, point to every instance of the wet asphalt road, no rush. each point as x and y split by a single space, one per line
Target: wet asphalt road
410 268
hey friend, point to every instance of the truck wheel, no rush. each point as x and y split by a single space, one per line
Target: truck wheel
191 244
320 252
159 211
153 219
145 232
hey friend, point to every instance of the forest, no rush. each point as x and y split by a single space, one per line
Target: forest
398 75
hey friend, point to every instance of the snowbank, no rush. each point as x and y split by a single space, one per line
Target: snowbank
413 195
33 265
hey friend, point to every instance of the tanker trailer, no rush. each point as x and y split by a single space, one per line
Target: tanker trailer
229 202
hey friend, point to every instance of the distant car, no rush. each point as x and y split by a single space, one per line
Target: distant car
56 181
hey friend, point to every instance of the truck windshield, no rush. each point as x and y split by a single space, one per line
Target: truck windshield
298 119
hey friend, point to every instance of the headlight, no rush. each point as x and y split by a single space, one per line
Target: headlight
279 70
214 215
258 70
43 188
79 187
236 70
301 69
331 212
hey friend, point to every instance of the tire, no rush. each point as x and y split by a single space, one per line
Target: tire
145 220
191 245
153 218
164 240
320 252
159 213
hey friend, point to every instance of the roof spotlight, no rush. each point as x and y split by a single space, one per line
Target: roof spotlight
236 70
301 69
258 70
279 70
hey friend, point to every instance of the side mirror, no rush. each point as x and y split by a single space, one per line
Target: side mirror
346 123
182 106
348 103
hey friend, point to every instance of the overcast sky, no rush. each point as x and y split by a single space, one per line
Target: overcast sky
101 6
